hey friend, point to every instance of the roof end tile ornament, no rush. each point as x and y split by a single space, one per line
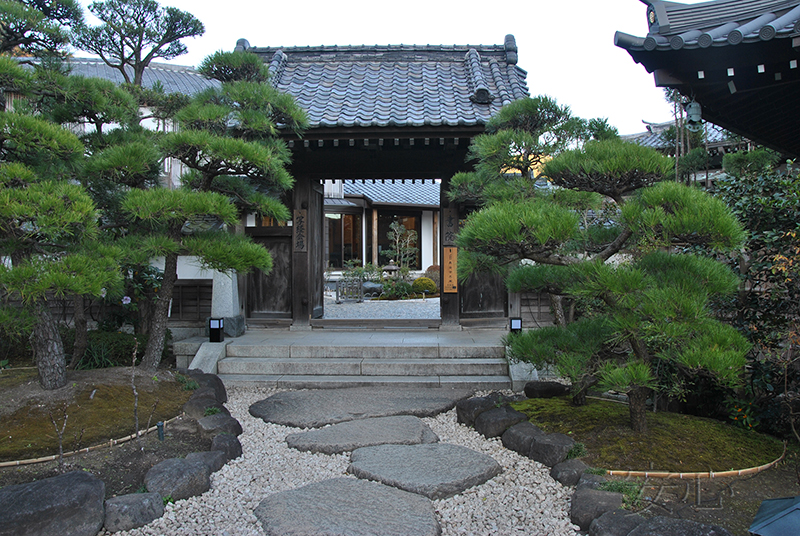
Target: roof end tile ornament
481 93
242 45
510 46
276 66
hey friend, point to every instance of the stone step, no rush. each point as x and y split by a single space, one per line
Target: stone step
363 367
409 351
290 381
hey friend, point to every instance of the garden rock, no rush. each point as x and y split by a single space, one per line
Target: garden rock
220 423
177 479
437 471
544 389
568 472
550 449
347 506
195 407
68 505
520 436
132 511
348 436
468 410
372 289
214 460
589 504
229 444
493 422
316 408
210 380
588 481
660 525
615 523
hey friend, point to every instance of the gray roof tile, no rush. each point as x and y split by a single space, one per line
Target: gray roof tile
420 193
174 78
398 85
673 26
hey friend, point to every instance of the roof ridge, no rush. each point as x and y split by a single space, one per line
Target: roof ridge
480 93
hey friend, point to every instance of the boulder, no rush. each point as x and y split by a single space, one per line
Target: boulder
494 422
468 410
229 444
589 481
544 389
132 511
372 289
520 436
614 523
550 449
589 504
195 407
214 460
210 380
660 525
177 479
68 505
220 423
568 472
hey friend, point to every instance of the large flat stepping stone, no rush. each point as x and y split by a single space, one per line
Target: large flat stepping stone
349 436
436 471
316 408
347 507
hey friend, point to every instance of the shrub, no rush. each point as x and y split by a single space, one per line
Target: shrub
108 348
423 285
396 289
433 273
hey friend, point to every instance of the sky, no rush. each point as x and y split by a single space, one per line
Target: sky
567 47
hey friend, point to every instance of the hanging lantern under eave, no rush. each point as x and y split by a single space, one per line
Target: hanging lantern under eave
694 116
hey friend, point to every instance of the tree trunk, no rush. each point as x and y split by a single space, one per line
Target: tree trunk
48 349
158 324
557 304
637 399
579 397
81 332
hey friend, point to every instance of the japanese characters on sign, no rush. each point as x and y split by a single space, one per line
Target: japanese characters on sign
450 270
449 226
300 230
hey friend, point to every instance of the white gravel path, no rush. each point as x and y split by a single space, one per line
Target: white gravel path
521 500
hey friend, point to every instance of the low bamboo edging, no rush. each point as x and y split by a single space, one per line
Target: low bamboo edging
708 474
110 443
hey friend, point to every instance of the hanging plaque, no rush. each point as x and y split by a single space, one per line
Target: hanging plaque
450 271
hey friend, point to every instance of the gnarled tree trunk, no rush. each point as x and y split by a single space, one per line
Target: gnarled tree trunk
579 396
48 349
158 325
81 333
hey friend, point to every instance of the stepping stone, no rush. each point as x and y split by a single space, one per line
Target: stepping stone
436 471
349 436
347 507
316 408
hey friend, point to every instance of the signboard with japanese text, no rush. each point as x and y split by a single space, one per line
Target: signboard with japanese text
450 271
449 226
300 230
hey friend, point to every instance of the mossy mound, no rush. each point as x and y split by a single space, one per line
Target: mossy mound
96 413
674 442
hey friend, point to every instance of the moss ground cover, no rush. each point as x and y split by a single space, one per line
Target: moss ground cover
674 442
95 413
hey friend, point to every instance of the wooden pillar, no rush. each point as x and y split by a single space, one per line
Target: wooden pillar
450 305
435 238
301 267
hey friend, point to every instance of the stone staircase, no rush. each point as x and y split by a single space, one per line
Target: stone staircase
473 359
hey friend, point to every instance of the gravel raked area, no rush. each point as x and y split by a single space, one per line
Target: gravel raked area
523 499
428 308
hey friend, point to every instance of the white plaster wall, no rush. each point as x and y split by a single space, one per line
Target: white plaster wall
427 238
188 268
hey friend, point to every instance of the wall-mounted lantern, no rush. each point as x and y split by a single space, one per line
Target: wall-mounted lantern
515 324
694 116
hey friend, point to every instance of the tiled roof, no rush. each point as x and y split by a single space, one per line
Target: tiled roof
674 26
397 85
173 78
654 138
419 193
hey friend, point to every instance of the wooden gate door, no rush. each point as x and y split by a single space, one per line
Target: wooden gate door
270 295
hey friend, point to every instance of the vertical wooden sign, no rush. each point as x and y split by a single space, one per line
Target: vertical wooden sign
450 271
300 230
449 226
